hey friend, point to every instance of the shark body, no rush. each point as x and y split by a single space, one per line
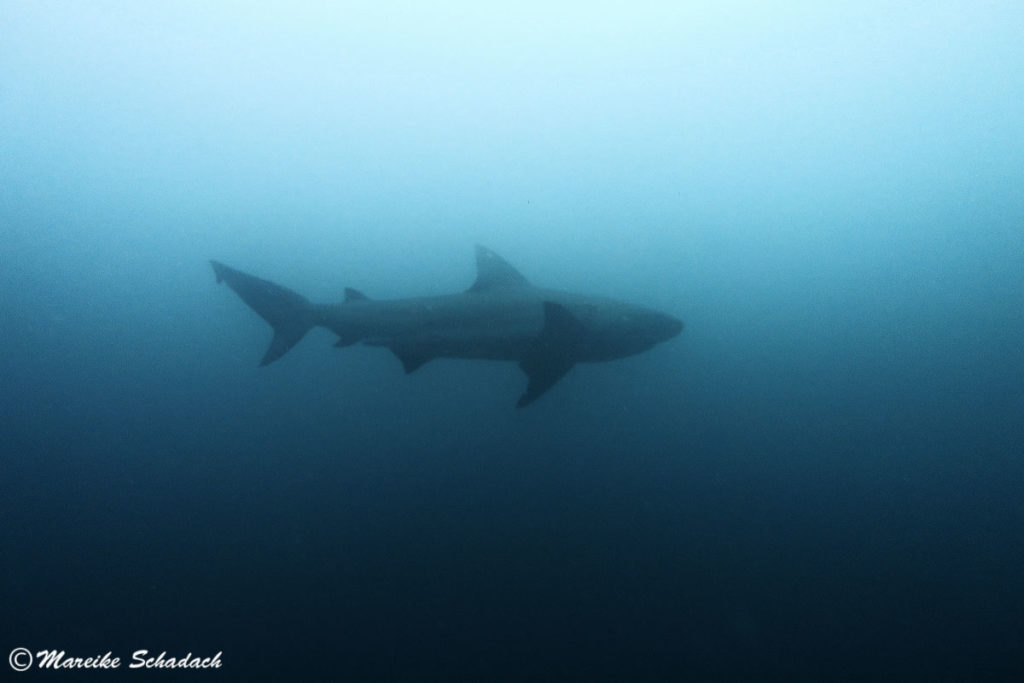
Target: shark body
501 317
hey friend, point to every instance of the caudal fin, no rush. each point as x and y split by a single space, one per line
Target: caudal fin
290 314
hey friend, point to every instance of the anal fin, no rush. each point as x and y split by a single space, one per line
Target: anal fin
411 361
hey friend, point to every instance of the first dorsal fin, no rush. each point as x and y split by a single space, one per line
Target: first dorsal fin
354 295
493 271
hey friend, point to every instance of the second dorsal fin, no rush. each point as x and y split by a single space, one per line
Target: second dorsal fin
354 295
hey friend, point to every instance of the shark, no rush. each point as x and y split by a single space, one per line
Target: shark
502 316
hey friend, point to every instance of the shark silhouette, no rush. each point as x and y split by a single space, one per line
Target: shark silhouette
501 317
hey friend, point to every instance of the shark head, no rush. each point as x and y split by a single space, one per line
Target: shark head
635 329
652 327
615 329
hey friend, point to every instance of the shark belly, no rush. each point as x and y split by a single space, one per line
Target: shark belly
471 326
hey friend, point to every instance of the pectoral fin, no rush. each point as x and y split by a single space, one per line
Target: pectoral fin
542 376
553 353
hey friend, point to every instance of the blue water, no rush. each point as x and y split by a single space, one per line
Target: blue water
821 478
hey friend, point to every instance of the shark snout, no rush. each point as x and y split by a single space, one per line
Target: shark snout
662 327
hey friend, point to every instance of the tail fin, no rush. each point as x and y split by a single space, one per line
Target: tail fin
290 314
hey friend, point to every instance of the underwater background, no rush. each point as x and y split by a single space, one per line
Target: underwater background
821 478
